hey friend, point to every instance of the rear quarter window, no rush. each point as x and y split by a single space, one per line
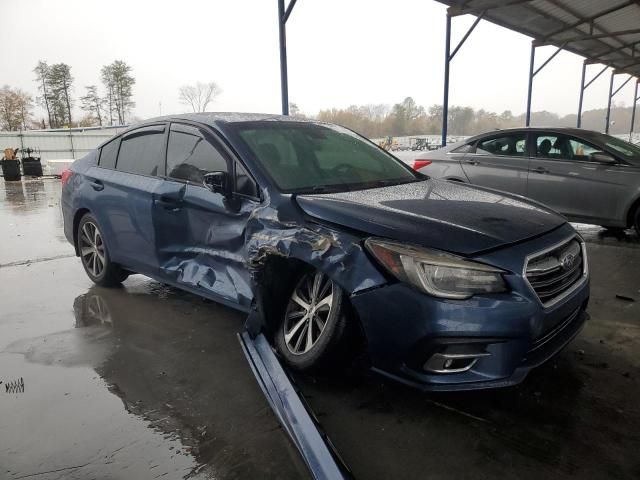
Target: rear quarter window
108 154
142 152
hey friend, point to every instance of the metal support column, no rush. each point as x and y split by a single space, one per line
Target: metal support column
533 73
583 87
633 110
284 80
530 88
584 71
448 56
612 94
283 16
606 127
445 100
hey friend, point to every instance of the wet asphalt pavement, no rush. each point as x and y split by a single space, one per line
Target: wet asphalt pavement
146 381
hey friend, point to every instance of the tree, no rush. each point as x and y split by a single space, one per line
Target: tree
61 83
200 95
92 103
15 108
119 82
42 77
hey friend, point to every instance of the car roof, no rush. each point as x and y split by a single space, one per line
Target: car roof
579 132
216 118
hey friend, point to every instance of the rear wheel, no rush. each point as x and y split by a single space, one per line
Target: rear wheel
636 220
95 256
314 322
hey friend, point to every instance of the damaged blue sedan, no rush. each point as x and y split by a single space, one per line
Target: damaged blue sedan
332 246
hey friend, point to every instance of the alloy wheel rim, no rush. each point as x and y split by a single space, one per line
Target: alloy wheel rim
98 310
92 249
308 311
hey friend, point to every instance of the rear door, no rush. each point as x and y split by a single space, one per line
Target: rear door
126 195
201 240
563 177
499 161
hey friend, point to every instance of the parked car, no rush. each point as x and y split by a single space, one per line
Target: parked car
330 243
587 176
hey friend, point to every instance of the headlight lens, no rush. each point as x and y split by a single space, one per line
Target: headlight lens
436 273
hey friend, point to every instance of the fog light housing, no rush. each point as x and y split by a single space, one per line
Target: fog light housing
455 359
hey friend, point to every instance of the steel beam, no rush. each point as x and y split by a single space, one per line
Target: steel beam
533 73
591 18
612 94
448 56
283 16
633 110
603 35
606 127
530 89
456 11
583 87
445 100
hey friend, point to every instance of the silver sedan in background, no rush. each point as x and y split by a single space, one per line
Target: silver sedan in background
587 176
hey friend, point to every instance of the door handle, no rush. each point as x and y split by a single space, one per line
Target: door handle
540 170
471 162
97 185
168 203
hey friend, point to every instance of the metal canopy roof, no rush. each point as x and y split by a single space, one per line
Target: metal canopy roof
602 31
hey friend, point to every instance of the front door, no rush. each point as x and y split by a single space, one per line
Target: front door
201 240
563 177
499 162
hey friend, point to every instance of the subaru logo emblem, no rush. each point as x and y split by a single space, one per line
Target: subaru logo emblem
568 261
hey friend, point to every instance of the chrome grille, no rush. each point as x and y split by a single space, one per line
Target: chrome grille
554 272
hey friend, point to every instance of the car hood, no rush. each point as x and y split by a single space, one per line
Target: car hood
434 213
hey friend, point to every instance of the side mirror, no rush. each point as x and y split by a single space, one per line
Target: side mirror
216 182
602 157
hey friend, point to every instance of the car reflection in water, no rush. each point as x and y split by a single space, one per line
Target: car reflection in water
176 363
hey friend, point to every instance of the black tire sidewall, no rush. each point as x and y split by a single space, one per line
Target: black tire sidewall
330 338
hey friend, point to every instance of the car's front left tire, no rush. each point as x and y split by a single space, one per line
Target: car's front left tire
314 322
94 254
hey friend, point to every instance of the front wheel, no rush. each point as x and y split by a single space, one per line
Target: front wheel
314 322
636 220
95 256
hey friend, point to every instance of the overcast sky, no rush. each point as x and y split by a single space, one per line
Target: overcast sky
340 53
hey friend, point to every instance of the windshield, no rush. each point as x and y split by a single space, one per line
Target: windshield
310 157
626 150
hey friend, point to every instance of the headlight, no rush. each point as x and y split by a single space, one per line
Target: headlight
436 273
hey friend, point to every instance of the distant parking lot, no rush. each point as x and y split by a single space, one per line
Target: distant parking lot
156 383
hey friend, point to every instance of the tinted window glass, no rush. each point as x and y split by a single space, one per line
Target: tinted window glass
464 148
108 154
507 145
302 156
244 183
581 150
190 156
142 152
563 148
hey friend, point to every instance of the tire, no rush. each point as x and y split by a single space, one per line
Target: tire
636 220
303 350
95 256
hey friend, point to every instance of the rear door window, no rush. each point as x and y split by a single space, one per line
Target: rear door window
514 145
190 156
142 151
108 154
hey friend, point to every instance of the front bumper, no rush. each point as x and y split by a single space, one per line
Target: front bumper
513 331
